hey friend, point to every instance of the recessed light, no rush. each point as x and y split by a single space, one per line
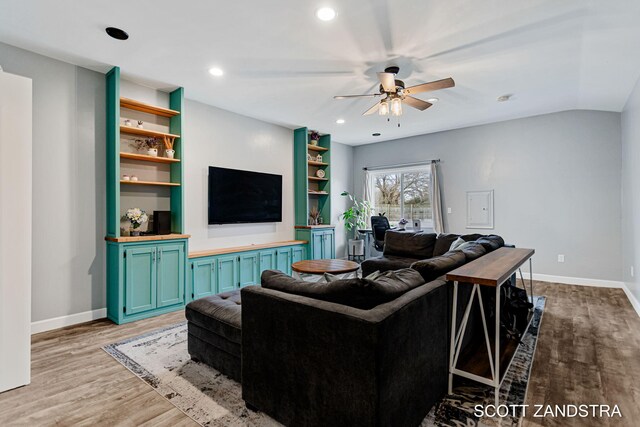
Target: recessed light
117 33
326 14
504 98
340 121
433 100
215 71
375 134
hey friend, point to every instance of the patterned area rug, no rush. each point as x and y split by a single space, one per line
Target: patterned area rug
160 358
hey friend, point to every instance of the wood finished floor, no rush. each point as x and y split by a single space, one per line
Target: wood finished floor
588 352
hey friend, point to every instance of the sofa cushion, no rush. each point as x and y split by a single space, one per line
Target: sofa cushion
385 263
435 267
473 251
491 242
358 293
471 237
220 314
409 244
443 243
457 244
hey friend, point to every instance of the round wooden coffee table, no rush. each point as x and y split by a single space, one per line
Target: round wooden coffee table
321 266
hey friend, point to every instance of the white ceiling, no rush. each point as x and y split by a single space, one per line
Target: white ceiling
283 65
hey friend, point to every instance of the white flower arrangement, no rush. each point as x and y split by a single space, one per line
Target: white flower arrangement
137 217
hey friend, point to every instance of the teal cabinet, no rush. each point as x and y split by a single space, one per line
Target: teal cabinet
298 253
317 245
328 244
248 269
203 278
283 260
322 241
227 273
145 279
267 260
140 279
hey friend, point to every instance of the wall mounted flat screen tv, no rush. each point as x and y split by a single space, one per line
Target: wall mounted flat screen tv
237 196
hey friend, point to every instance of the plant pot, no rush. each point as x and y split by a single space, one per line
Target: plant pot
169 153
356 247
314 142
135 232
152 152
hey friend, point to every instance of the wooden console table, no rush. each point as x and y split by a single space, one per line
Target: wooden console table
493 270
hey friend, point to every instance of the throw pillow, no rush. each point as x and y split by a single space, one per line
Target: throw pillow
456 243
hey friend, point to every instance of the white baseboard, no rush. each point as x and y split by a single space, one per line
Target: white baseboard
574 280
62 321
634 302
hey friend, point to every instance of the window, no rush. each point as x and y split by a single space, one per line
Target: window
402 193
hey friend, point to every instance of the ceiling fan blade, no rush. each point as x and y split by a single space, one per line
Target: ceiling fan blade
371 110
426 87
388 81
354 96
416 103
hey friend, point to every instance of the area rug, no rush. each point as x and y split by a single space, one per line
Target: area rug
160 358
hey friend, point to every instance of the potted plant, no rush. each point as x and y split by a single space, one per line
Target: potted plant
148 145
169 152
136 217
314 136
355 218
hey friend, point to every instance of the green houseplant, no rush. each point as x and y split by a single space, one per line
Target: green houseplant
355 218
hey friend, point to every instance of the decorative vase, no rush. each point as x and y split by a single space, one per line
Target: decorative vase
152 152
314 142
169 153
135 232
356 247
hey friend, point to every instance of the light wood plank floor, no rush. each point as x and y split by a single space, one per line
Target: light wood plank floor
588 352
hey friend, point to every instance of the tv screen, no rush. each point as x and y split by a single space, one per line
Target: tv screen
237 196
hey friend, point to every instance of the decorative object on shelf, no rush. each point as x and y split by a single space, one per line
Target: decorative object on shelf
320 173
417 225
402 224
136 217
140 124
126 178
314 215
133 178
314 137
309 158
319 158
148 145
320 220
168 141
127 122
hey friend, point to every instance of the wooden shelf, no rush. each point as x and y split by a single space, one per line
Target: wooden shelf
147 108
164 184
315 178
314 163
145 132
300 227
316 148
318 193
144 157
147 238
221 251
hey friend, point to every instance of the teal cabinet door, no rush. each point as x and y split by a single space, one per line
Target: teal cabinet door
317 244
248 269
297 254
328 246
227 273
267 261
203 278
170 274
140 279
283 260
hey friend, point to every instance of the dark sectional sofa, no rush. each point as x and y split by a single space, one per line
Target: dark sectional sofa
351 352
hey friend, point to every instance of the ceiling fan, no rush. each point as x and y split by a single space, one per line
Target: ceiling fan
394 93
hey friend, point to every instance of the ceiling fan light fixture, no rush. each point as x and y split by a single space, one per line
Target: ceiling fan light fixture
433 100
383 109
396 107
326 14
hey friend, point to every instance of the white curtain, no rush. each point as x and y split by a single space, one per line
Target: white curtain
367 195
436 201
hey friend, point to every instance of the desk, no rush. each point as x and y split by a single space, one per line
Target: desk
492 270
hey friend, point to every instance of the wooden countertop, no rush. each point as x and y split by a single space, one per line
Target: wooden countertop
222 251
133 239
492 269
315 226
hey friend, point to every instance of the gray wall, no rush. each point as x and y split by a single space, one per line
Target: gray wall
556 179
68 268
631 192
341 180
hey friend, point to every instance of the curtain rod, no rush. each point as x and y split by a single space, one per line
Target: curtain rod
401 165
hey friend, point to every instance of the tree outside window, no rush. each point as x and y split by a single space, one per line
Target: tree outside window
402 193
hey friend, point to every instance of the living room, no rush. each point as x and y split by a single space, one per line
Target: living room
536 130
